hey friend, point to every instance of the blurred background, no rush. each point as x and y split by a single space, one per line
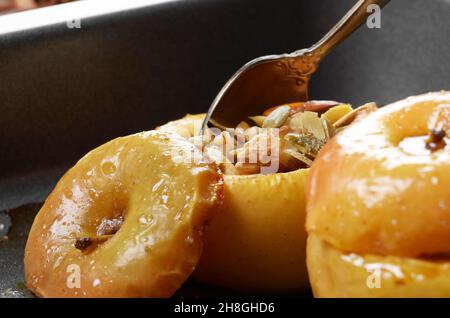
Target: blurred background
20 5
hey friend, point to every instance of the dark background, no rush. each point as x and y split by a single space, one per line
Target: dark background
63 92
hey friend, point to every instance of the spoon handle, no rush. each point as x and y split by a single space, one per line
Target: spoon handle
353 19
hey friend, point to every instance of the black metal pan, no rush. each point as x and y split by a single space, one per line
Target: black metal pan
65 90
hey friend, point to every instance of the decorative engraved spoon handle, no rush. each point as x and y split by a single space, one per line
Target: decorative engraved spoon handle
346 26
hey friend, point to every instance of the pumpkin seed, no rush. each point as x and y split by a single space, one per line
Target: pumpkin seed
259 120
277 118
299 156
307 143
336 112
357 113
329 129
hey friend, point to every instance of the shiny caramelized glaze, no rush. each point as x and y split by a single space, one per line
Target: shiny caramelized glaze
366 194
256 240
378 206
163 201
336 273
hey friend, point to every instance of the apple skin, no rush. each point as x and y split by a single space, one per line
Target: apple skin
335 273
256 240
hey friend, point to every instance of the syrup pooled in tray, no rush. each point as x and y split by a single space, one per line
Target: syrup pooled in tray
14 227
5 224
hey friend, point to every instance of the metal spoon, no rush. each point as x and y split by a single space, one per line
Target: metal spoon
273 80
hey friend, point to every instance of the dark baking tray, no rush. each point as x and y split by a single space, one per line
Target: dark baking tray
64 91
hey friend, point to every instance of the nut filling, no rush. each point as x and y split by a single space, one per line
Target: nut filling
290 136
